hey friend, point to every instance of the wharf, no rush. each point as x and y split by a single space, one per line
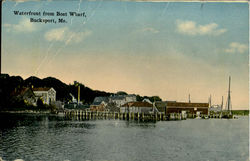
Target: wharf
88 115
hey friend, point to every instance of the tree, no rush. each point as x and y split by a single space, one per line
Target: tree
121 93
40 103
155 98
139 98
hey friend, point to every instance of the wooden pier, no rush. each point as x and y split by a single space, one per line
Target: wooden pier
88 115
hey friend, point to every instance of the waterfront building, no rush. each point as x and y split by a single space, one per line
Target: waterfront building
215 108
100 99
136 107
111 103
120 100
189 108
111 107
25 94
147 100
99 104
46 94
161 106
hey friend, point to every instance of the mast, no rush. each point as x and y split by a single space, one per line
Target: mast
221 108
78 100
222 103
210 100
229 106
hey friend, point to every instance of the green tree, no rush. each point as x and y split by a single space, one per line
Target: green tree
40 103
155 98
139 98
121 93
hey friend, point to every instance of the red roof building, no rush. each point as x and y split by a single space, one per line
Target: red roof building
191 108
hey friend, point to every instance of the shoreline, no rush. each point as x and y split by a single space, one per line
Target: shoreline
27 112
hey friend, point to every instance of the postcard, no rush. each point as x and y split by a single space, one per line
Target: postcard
124 80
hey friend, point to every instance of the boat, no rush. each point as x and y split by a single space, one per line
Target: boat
228 114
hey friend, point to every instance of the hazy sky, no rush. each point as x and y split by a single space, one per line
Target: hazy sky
166 49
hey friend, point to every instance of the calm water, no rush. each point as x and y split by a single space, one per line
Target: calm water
44 138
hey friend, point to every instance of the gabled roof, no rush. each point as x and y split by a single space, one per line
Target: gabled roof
118 97
146 100
137 104
121 97
100 99
20 92
96 103
163 103
186 104
131 95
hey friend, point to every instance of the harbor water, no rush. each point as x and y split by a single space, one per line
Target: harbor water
52 138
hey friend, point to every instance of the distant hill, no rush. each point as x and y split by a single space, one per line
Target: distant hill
11 83
63 90
8 84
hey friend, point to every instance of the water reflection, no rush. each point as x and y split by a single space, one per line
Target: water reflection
139 124
54 138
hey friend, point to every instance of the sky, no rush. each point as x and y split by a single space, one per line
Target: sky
167 49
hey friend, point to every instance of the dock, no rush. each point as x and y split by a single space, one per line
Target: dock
144 117
89 115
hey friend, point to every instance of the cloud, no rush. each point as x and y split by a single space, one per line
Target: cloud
65 35
191 28
150 30
24 25
56 34
235 47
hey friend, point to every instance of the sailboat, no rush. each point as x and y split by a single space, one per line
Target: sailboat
228 114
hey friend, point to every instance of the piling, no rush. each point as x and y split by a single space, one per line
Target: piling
88 115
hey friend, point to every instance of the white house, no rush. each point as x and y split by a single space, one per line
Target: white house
147 100
46 94
120 100
215 108
137 107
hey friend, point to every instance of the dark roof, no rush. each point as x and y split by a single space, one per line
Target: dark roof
117 97
160 103
41 89
186 104
96 103
163 103
137 104
21 92
121 97
100 99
